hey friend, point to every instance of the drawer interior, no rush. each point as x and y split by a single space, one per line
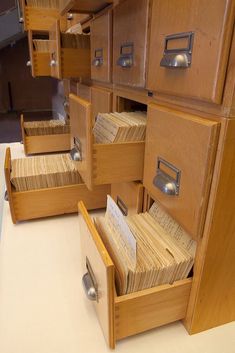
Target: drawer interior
101 163
126 315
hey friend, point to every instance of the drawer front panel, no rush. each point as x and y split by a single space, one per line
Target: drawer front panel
189 52
81 136
101 101
130 24
101 34
96 259
128 197
179 160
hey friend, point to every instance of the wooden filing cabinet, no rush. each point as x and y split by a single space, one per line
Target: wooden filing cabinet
101 163
68 62
39 60
128 196
130 37
189 48
41 18
101 47
39 203
44 143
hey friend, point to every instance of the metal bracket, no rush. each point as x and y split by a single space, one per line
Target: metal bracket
165 182
178 57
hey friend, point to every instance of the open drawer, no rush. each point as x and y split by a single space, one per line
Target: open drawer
44 143
101 163
38 18
179 163
39 53
83 6
126 315
72 60
47 202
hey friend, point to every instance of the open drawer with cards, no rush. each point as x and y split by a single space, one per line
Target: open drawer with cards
123 315
38 17
69 54
179 164
45 136
51 200
101 162
39 52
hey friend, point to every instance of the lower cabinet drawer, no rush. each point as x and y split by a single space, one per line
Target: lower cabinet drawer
122 316
32 204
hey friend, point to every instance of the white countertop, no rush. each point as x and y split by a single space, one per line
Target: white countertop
43 308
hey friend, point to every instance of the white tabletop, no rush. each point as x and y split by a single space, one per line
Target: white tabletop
43 308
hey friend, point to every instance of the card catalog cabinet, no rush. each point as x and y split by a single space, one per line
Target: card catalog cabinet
83 6
179 162
39 57
44 143
126 315
32 204
101 46
37 18
130 31
67 62
189 48
101 163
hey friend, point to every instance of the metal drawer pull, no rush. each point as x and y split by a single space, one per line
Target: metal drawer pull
122 206
89 287
165 182
6 198
53 62
69 16
178 57
28 63
98 59
21 20
126 55
76 151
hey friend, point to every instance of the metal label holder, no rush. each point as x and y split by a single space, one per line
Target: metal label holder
126 59
165 182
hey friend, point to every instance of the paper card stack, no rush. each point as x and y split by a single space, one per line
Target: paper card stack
146 252
46 127
76 41
43 172
120 127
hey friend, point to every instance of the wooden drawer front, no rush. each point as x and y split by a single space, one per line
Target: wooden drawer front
101 101
101 34
40 64
133 313
189 144
128 196
102 163
198 45
130 24
95 258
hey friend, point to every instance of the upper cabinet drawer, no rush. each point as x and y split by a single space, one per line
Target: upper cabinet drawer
179 160
189 48
101 33
69 54
130 27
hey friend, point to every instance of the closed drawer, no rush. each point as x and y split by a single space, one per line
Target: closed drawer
128 196
122 316
179 162
32 204
101 34
67 62
130 27
101 163
188 53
